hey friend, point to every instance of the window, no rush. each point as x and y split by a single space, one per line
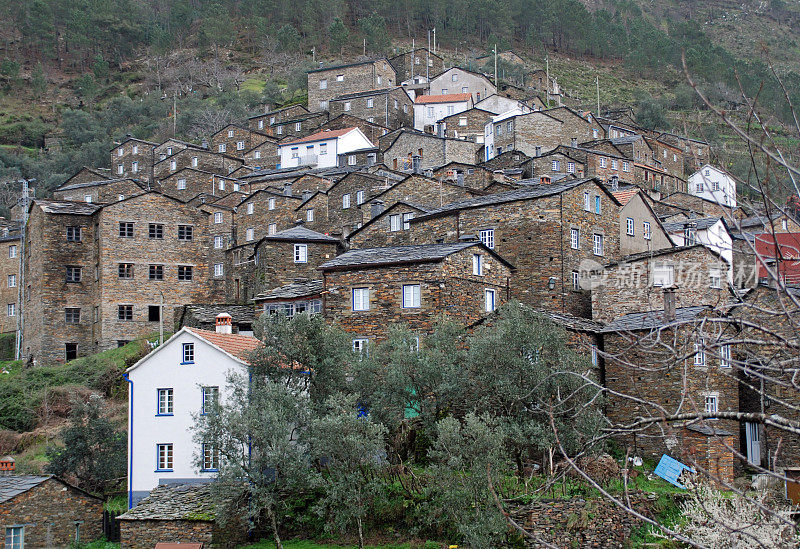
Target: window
411 296
570 167
298 126
689 236
15 535
663 275
323 148
394 222
300 253
345 201
230 133
477 264
272 228
188 353
257 155
586 201
210 457
699 353
218 269
487 237
595 358
250 234
279 130
165 402
370 102
271 204
185 273
347 106
454 77
597 204
174 165
629 227
135 167
597 244
444 91
310 215
156 272
210 399
12 281
12 251
646 230
625 167
125 229
725 356
153 313
250 208
164 452
185 232
260 124
712 403
594 133
120 169
715 278
451 110
125 312
430 112
120 151
490 298
323 84
359 197
73 234
87 199
217 217
11 309
73 274
125 270
351 160
575 239
339 77
602 162
556 164
181 184
361 299
407 217
576 280
361 345
221 147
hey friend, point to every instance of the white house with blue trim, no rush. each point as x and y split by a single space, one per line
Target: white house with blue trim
167 389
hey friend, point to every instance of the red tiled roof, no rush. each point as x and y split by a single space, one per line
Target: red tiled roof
445 98
238 345
625 195
320 136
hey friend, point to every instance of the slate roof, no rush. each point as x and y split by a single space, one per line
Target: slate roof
207 314
366 93
174 502
393 255
14 485
698 223
67 207
356 64
657 253
96 183
529 192
571 322
238 345
300 234
708 430
652 319
292 291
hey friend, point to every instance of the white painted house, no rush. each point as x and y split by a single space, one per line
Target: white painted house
322 149
429 109
711 232
488 130
713 184
175 381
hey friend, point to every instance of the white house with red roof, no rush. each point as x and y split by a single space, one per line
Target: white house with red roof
429 109
322 149
168 388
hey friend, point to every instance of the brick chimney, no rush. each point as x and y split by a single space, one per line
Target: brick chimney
669 304
224 323
6 465
545 180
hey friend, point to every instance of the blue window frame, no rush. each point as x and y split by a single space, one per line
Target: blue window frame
164 457
210 397
15 537
597 204
188 353
164 402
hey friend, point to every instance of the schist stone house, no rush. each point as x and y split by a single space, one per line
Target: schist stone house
390 107
462 81
183 377
327 83
369 290
417 62
45 511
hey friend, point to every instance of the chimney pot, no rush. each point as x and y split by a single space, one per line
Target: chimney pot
6 465
669 304
545 180
224 323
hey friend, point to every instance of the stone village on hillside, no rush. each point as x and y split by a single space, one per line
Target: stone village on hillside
399 194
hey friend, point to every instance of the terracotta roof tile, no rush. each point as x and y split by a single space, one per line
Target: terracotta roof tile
320 136
444 98
238 345
624 196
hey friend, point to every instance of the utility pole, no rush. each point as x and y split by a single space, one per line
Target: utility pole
427 59
434 39
597 84
365 46
25 204
174 112
547 77
161 320
314 55
495 66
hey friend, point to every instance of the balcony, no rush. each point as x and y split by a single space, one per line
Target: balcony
307 160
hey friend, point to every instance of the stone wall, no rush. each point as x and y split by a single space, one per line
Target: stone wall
144 534
102 192
276 265
235 140
469 124
9 267
390 108
202 159
49 513
330 82
283 215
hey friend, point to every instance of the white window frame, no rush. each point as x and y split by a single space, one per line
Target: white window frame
219 269
477 264
487 238
395 223
360 298
663 275
711 403
346 201
597 244
218 217
250 234
587 202
301 253
250 208
411 296
181 185
725 356
218 242
309 215
490 300
575 238
646 230
271 204
630 227
359 197
699 353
